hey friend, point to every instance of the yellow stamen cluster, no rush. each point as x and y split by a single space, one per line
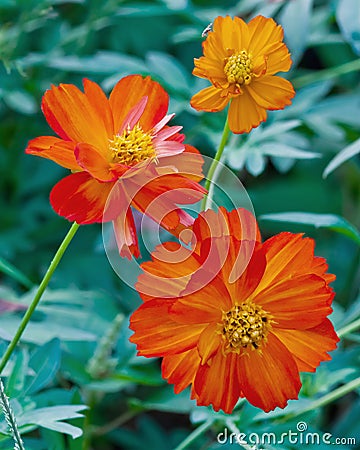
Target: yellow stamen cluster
132 146
238 68
245 325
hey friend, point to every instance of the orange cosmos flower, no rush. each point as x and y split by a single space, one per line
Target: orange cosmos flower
123 141
240 61
243 325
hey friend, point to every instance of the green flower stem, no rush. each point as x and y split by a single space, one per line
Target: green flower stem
195 434
15 273
330 397
210 175
327 74
353 326
43 285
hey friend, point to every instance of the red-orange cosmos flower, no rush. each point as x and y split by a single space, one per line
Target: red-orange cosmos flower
122 141
242 322
240 61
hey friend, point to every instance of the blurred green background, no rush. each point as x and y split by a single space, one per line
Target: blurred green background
281 164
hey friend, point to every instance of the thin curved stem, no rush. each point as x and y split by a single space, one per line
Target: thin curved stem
210 175
331 396
43 285
353 326
327 74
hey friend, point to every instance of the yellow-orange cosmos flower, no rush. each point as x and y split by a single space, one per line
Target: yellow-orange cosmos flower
242 322
240 61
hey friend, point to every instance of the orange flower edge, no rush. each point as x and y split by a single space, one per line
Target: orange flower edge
241 60
121 153
243 325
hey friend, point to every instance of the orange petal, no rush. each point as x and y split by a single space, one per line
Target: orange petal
299 301
212 69
269 378
277 58
262 32
125 235
245 114
159 196
99 102
58 150
233 33
319 267
213 46
239 223
309 347
209 99
189 163
129 91
243 269
80 198
287 254
180 369
156 334
93 161
203 305
71 115
168 274
217 383
271 92
209 342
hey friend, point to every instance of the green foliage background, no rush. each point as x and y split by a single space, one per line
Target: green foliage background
76 352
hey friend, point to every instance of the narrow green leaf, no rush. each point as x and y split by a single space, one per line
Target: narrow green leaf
286 151
277 128
15 273
45 362
345 154
330 221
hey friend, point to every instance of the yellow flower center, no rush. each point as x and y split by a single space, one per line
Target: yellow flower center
132 146
245 325
238 68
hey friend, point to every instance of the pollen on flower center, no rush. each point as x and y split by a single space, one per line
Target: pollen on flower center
243 326
132 146
238 68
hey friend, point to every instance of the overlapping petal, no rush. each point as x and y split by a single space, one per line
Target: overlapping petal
209 99
180 369
270 378
58 150
244 113
129 91
167 337
71 115
301 344
80 198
